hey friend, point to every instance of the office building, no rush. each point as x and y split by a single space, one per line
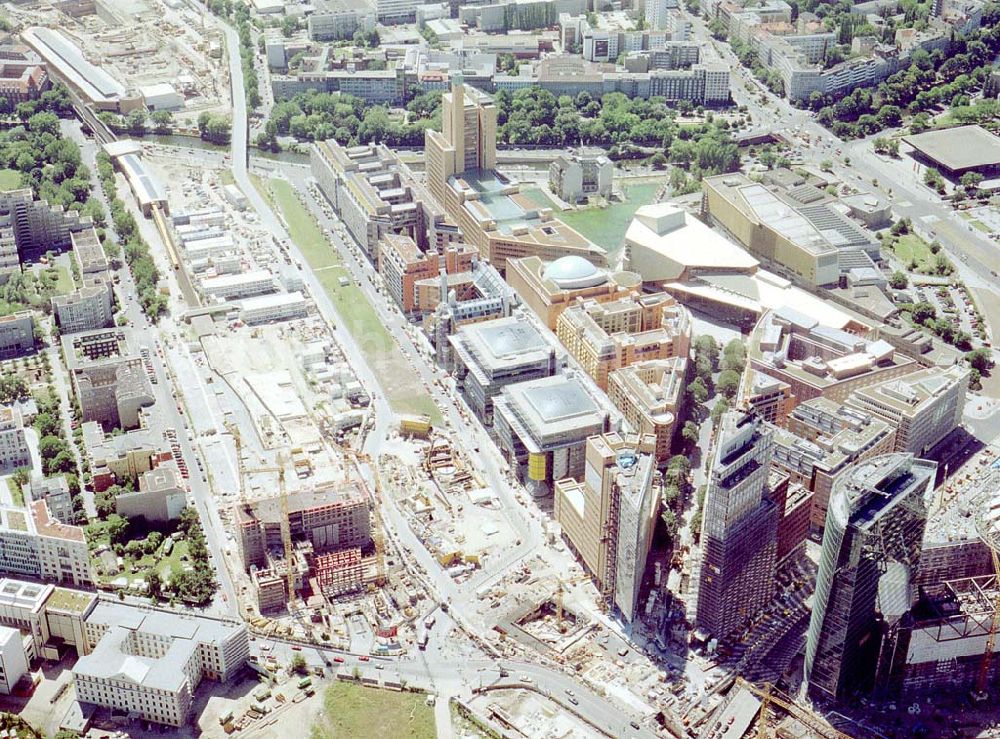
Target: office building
161 496
14 451
13 659
34 544
817 359
549 288
542 428
739 528
608 519
17 334
111 382
339 20
869 560
149 663
649 396
413 277
924 407
488 207
51 617
375 193
491 355
89 252
604 337
823 439
87 308
580 174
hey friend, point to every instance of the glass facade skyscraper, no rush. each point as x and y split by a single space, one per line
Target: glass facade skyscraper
871 549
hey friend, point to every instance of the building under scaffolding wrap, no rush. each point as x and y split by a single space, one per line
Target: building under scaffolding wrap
949 634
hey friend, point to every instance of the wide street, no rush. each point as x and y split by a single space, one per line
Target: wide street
898 182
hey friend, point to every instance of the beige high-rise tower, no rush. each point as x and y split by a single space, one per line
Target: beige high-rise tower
468 141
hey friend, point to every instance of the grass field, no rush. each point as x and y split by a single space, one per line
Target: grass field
64 283
10 179
606 227
406 393
350 710
911 247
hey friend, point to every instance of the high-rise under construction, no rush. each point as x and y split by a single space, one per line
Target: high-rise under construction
739 528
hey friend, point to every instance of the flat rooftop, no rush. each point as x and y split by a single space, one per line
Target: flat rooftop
70 601
960 148
553 410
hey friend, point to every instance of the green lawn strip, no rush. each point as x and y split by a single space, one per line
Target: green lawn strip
64 284
405 390
302 227
10 179
351 710
16 494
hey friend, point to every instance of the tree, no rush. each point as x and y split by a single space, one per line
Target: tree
980 359
728 384
154 584
163 121
707 346
923 312
670 525
826 165
898 280
298 664
734 356
697 390
690 432
971 181
117 528
718 410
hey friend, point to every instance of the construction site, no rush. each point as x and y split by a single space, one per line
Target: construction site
160 55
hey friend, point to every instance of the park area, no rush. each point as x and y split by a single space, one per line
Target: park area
605 226
350 710
407 394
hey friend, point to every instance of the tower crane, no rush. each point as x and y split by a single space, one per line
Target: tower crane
768 695
988 528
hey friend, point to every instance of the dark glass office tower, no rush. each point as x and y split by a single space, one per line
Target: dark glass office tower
871 549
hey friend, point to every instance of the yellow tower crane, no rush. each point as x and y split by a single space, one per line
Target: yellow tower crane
986 524
770 695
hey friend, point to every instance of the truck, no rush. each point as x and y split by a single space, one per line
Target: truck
422 637
430 621
305 683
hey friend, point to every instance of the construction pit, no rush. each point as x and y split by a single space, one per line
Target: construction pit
457 519
527 713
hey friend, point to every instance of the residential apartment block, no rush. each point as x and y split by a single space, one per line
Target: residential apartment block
649 396
581 173
414 277
14 451
110 380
